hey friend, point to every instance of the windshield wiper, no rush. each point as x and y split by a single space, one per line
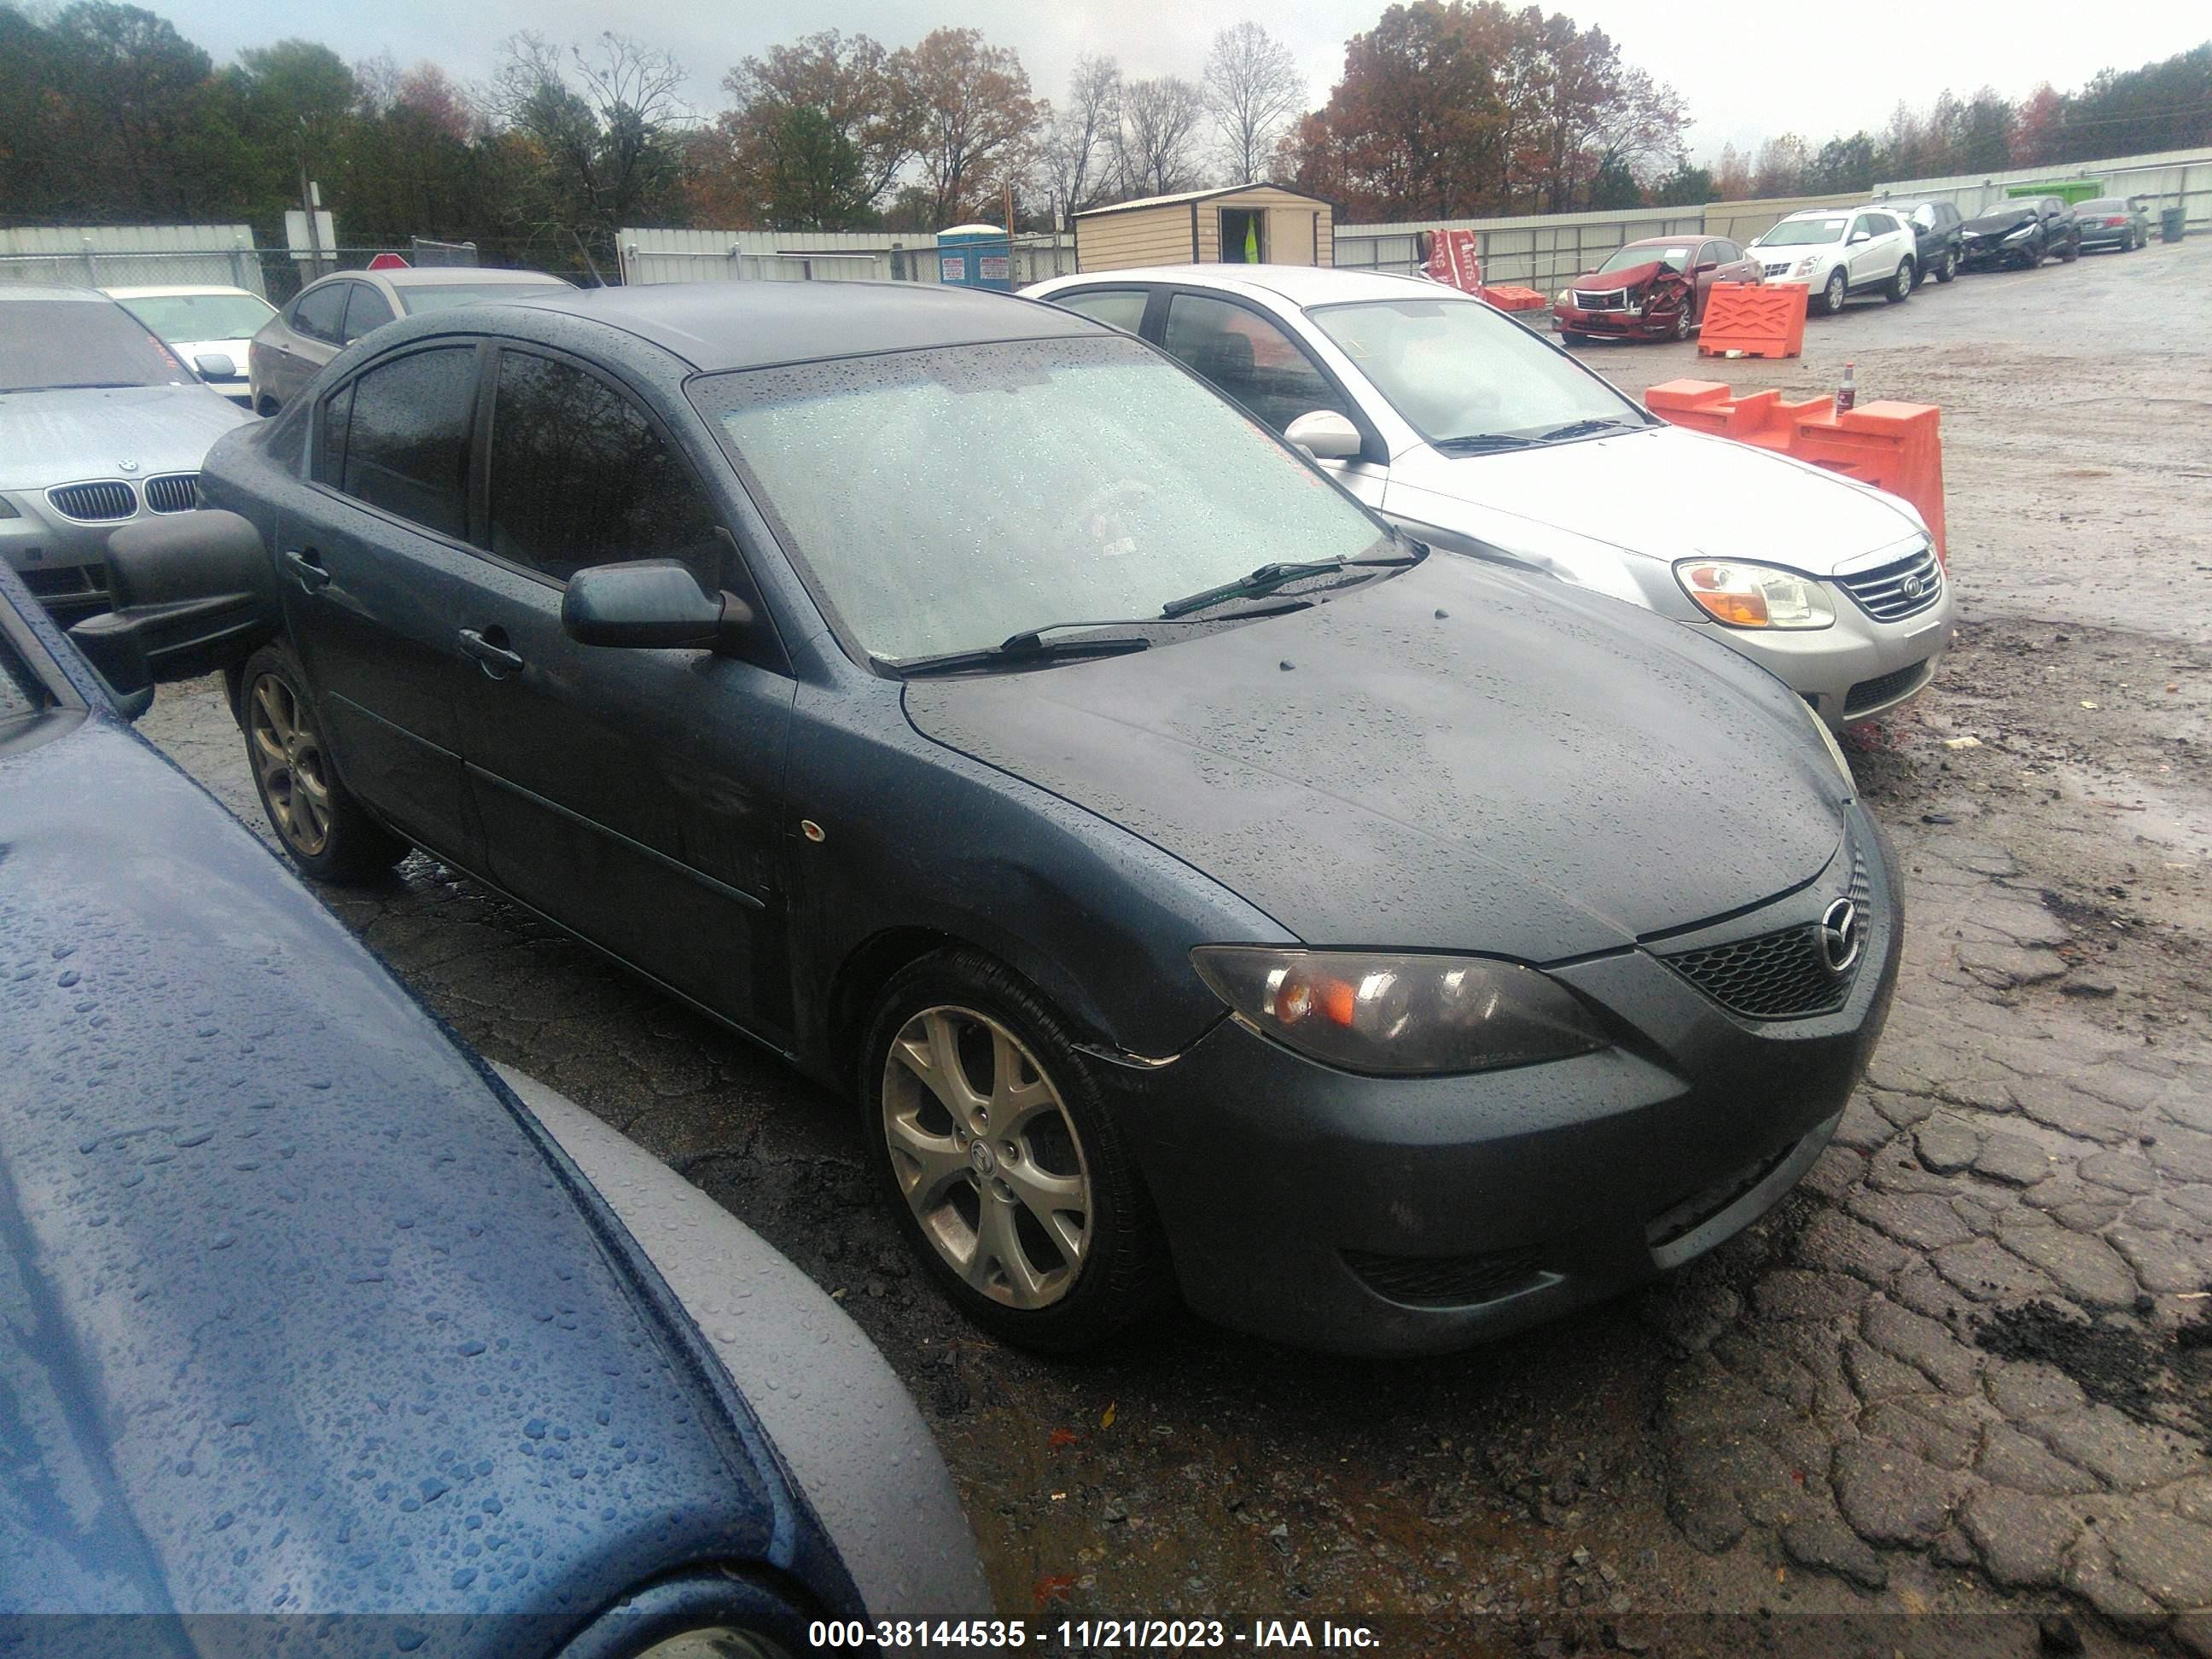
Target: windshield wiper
1269 577
1019 650
1585 428
1476 440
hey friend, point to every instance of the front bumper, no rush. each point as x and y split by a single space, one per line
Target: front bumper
1625 325
1420 1215
1859 668
62 562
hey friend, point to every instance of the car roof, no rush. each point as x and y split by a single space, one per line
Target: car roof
52 291
177 291
1301 285
715 326
457 276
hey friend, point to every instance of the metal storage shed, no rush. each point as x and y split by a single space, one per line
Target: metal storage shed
1226 225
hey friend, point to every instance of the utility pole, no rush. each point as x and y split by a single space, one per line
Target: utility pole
308 197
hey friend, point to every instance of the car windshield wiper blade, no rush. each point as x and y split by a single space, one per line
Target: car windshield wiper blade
1474 441
1019 650
1269 577
1585 428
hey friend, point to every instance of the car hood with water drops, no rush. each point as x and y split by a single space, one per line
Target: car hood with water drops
300 1311
1460 757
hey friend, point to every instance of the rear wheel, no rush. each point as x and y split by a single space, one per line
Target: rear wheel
324 830
1900 285
1949 267
1833 296
1001 1160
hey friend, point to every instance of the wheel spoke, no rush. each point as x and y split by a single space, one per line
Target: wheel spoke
1014 1099
997 1246
269 752
269 695
1057 1202
928 1165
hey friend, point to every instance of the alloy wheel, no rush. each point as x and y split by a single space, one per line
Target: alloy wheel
1835 293
987 1157
288 759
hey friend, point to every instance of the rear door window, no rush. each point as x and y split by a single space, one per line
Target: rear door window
1249 358
320 311
1117 307
579 476
407 437
368 309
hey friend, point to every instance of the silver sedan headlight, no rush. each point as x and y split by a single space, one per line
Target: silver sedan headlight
1744 595
1399 1014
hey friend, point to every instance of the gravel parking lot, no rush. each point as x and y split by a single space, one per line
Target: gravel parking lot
1959 1386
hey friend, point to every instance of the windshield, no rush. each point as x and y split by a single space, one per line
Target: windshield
1803 233
1456 369
178 318
1675 256
69 343
417 300
944 501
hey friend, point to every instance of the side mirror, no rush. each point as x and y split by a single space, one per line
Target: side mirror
216 366
193 593
1701 269
1326 435
1858 236
650 605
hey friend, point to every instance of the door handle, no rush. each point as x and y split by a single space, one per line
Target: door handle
307 565
496 660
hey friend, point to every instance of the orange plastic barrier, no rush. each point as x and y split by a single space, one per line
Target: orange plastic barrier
1757 319
1894 447
1514 299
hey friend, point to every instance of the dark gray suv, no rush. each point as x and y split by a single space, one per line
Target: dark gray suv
1938 228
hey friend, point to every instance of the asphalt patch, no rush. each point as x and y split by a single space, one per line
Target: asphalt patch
2161 1379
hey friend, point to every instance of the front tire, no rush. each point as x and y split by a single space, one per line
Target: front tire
1832 297
266 407
1686 323
323 831
1568 336
1900 285
1002 1162
2069 253
1948 269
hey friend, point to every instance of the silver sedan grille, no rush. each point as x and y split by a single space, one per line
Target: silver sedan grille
1894 591
94 503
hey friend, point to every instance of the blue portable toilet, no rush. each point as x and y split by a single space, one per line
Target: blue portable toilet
975 256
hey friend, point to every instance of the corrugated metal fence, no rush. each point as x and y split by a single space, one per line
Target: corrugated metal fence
2173 178
117 256
817 256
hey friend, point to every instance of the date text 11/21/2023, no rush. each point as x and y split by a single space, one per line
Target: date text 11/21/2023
1088 1636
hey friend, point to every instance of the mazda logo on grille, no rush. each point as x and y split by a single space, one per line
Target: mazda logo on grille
1842 931
1913 587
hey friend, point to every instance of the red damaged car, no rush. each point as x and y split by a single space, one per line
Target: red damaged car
1653 290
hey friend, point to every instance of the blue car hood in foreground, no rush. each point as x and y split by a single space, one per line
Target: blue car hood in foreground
1459 758
299 1311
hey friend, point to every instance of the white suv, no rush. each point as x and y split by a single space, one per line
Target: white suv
1840 252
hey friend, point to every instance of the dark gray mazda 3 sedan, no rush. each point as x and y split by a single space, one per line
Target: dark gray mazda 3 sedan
1201 888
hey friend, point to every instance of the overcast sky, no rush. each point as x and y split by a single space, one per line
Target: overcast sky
1813 69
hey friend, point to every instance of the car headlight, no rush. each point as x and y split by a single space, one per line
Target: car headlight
1754 595
1391 1014
1566 296
1804 265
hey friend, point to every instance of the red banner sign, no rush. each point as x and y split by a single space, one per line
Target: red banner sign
1452 260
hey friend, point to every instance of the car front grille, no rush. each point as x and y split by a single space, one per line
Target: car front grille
1884 687
174 492
1896 591
1446 1281
1782 269
1610 299
1777 975
1708 1201
94 503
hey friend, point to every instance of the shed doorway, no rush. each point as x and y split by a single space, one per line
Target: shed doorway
1243 236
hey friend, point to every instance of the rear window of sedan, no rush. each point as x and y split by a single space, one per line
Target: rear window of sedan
945 500
417 300
52 344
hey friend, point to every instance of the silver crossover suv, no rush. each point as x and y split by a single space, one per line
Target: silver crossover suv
1481 436
100 423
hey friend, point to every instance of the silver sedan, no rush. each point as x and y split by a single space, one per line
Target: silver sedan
1480 436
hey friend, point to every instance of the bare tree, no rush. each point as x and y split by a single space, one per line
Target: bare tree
606 120
1075 162
1253 91
1158 145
